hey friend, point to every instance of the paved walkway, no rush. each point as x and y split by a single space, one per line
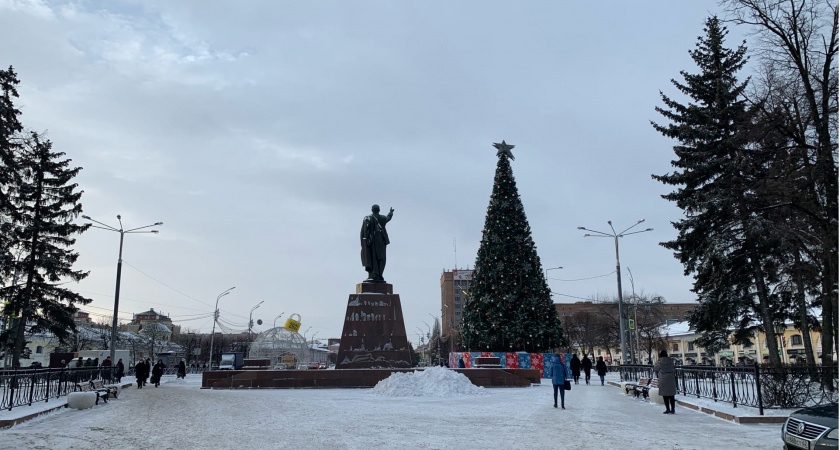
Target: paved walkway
179 415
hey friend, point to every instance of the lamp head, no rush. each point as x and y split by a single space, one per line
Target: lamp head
581 228
159 223
154 231
86 217
119 217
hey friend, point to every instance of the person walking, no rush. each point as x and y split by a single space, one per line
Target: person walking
106 366
667 374
586 364
182 369
574 364
139 370
559 375
601 367
120 370
157 372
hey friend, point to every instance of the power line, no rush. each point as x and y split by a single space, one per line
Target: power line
572 296
582 279
164 284
135 300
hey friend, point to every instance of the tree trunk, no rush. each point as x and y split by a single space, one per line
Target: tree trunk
804 323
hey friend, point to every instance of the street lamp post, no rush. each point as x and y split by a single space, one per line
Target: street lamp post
275 319
251 320
553 268
440 357
213 334
634 334
614 235
122 233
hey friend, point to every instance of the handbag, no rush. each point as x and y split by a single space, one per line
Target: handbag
567 385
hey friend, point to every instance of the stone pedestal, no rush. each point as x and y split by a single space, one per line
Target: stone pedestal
374 330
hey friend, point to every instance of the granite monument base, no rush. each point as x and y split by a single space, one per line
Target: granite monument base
374 331
351 378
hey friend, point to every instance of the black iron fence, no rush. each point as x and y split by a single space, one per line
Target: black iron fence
23 387
759 386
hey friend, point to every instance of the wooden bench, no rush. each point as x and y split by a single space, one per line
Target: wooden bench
102 392
633 388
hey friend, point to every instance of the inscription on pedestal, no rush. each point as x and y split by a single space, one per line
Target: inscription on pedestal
374 330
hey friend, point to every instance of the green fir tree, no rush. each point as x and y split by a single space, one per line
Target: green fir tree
47 204
10 146
510 306
726 239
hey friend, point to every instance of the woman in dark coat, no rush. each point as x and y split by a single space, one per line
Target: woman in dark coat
667 374
559 374
140 373
601 367
182 369
157 372
586 364
574 364
120 370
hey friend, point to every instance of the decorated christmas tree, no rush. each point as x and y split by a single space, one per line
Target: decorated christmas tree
509 307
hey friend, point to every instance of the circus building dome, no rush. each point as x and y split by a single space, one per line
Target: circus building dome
285 348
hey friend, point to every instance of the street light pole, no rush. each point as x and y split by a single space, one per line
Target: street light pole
122 233
553 268
213 334
251 320
275 319
615 236
634 333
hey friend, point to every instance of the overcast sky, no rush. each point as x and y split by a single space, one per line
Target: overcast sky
261 133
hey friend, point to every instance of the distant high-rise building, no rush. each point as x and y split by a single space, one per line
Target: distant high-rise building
454 288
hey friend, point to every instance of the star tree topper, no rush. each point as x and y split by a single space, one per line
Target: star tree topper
504 149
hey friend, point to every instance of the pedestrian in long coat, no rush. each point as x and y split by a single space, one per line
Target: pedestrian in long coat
667 374
574 364
139 372
586 364
120 370
157 372
559 375
601 367
106 368
182 369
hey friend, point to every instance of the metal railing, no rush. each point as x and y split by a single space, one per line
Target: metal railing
23 387
792 386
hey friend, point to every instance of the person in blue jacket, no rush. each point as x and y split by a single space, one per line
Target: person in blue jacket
559 374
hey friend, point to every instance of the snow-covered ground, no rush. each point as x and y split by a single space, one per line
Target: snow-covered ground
179 415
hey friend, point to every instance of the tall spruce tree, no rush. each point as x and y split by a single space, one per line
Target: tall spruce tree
725 239
47 203
10 145
509 307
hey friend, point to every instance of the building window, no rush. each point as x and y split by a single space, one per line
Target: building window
39 349
796 340
675 348
691 346
748 344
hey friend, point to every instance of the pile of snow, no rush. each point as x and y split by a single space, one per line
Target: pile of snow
431 382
